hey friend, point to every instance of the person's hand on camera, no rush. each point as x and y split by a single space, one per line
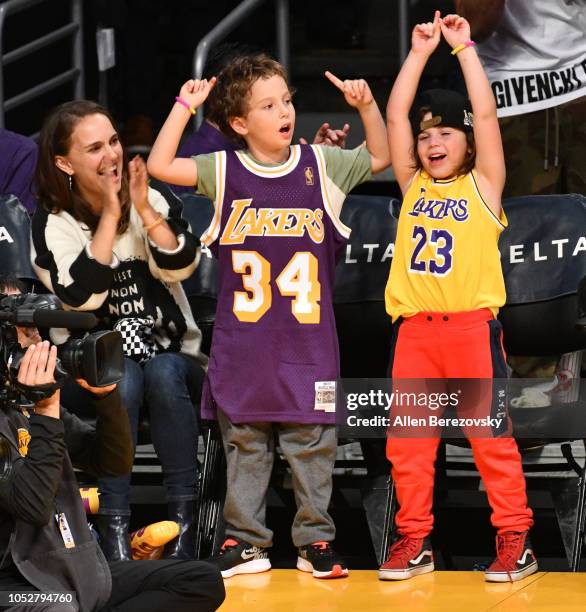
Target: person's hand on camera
38 368
95 390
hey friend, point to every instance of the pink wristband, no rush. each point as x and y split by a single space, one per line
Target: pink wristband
468 43
181 101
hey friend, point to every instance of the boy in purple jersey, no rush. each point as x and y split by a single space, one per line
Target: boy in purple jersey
274 360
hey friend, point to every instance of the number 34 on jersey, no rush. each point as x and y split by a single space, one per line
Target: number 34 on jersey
298 280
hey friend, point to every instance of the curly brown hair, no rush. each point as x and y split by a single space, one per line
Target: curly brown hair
470 159
229 98
53 184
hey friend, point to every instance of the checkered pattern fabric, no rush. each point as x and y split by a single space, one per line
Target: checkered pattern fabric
137 338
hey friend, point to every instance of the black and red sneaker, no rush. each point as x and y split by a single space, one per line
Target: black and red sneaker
321 560
408 557
239 557
514 558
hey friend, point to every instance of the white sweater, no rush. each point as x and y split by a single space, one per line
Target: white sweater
142 282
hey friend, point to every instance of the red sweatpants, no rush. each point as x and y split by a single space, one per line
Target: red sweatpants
454 345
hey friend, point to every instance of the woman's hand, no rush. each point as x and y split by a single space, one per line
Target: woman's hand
154 223
138 183
455 29
426 36
196 91
110 202
95 390
356 92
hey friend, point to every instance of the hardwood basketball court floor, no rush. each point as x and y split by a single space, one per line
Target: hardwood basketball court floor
294 591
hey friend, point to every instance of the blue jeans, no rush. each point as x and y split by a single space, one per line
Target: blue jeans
168 387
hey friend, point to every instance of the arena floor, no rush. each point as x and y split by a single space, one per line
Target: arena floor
294 591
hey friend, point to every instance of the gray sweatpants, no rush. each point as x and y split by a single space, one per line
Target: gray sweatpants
310 451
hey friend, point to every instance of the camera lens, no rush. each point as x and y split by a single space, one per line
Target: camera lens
97 358
71 353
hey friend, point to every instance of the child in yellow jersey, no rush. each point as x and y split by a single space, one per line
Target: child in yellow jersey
445 289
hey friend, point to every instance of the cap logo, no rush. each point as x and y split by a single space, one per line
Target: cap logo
468 118
429 123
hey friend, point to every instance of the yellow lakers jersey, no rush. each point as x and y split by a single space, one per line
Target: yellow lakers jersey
446 257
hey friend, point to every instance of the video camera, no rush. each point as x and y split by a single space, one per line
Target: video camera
96 357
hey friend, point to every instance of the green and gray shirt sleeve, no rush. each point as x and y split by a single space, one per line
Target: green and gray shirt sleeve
344 170
206 175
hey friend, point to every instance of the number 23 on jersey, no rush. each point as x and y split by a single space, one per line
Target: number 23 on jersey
442 245
298 280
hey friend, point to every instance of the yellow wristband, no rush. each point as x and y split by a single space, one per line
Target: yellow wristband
181 101
156 222
465 45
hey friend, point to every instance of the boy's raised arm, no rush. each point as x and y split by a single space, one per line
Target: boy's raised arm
163 163
359 96
490 159
424 41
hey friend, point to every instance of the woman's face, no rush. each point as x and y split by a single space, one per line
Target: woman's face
94 158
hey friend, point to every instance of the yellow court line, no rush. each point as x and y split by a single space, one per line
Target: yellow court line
563 591
523 584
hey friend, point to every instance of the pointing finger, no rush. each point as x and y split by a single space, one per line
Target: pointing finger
335 80
212 82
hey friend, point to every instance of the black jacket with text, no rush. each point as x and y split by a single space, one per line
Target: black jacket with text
38 484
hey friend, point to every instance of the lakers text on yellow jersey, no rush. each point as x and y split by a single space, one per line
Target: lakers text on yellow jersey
446 251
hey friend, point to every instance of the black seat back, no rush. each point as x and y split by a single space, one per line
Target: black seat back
544 261
15 229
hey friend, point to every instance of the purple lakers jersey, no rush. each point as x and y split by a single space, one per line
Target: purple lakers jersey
277 240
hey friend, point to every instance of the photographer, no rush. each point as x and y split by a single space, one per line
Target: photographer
45 543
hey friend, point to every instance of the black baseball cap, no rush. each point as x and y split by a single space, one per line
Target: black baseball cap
448 108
